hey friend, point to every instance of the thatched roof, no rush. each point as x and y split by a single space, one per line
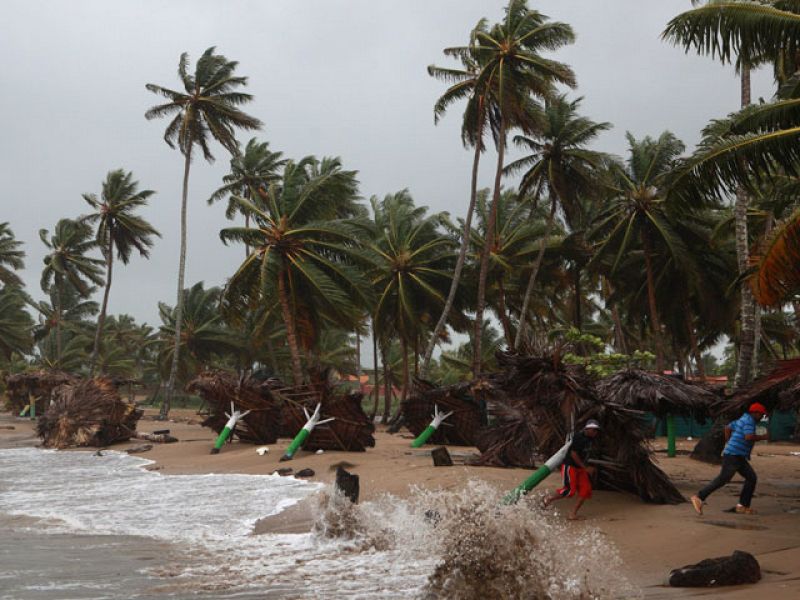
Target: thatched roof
219 388
459 429
533 402
779 389
350 431
659 394
37 383
87 412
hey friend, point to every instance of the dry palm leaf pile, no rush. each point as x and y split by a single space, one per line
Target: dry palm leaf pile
533 402
220 388
87 412
21 387
462 428
351 430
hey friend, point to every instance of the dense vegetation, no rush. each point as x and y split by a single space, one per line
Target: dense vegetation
654 257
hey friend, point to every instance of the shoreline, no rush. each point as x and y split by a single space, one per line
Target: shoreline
651 539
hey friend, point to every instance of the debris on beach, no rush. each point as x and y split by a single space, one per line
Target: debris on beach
351 431
462 428
736 569
221 388
533 399
87 412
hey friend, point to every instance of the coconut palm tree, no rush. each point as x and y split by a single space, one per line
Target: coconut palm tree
510 62
639 213
15 322
10 256
119 229
66 264
208 107
305 248
204 336
413 261
558 160
251 171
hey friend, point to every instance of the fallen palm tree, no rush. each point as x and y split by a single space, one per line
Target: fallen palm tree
262 425
88 412
351 430
37 386
462 428
534 400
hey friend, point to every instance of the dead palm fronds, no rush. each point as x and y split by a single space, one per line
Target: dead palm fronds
38 385
462 428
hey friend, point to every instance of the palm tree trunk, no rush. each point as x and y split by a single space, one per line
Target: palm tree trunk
576 271
747 316
375 386
101 320
58 323
387 388
462 254
504 319
477 358
291 334
535 272
358 358
406 372
757 311
655 323
247 226
173 371
698 358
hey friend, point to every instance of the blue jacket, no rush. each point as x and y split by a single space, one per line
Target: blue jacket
737 445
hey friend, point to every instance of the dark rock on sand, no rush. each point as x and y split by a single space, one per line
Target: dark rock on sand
283 472
305 473
740 567
140 449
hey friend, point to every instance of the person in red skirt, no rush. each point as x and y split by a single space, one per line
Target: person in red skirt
575 472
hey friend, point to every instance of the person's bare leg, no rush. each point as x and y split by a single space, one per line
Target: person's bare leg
548 500
573 516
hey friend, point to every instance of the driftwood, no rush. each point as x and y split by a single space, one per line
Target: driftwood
220 388
88 412
533 401
441 457
462 428
159 438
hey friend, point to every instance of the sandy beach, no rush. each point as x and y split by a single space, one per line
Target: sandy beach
651 539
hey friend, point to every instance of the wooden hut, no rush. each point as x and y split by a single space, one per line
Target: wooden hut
37 386
87 412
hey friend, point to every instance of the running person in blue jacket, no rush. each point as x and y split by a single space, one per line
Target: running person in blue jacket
740 435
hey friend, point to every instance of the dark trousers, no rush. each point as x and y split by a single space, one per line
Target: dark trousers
730 466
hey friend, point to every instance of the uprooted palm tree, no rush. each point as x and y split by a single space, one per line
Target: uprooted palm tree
208 107
118 229
305 247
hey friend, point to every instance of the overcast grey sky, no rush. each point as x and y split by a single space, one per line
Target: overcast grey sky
330 77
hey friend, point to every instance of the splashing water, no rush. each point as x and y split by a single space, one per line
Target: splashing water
447 544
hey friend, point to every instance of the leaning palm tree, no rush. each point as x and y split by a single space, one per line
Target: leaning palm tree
251 172
560 162
208 107
120 229
15 322
510 62
66 264
10 256
305 251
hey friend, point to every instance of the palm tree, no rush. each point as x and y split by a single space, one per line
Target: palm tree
776 278
748 32
508 56
66 264
120 229
204 336
207 108
639 213
251 172
560 162
413 260
15 322
10 256
305 250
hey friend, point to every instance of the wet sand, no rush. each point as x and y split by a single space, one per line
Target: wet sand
652 539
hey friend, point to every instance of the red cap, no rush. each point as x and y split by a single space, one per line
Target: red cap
757 407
